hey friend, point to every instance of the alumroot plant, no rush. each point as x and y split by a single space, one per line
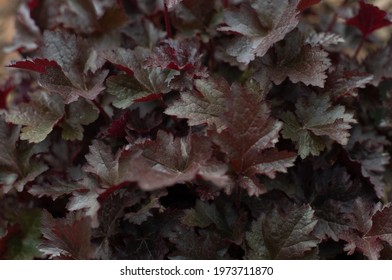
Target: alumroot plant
200 129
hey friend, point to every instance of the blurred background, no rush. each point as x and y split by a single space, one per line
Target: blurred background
7 30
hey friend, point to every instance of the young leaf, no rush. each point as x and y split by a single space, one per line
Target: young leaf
282 236
259 26
118 126
204 105
369 19
315 117
66 237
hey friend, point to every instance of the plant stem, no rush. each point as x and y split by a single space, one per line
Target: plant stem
238 198
101 110
334 19
167 21
332 23
359 47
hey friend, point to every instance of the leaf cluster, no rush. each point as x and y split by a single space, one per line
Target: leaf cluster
189 129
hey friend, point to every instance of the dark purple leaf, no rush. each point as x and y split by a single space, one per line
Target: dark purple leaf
204 105
142 83
304 4
258 27
282 236
182 56
315 117
19 164
67 237
249 139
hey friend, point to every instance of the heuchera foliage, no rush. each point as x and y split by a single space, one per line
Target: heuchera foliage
197 129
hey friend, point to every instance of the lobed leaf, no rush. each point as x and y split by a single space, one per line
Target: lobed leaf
38 117
259 26
18 162
287 236
182 56
299 62
45 111
66 237
249 138
204 105
76 76
315 117
102 162
142 83
369 242
369 19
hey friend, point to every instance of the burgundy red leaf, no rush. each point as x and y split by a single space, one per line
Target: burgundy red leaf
304 4
37 65
369 19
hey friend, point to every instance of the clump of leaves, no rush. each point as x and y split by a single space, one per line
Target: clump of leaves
196 130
